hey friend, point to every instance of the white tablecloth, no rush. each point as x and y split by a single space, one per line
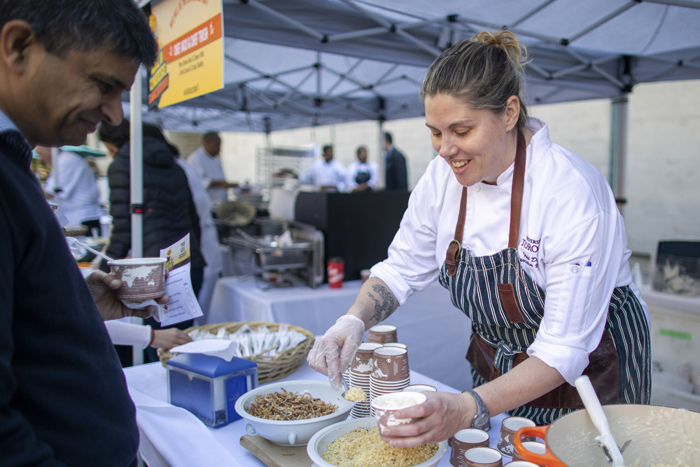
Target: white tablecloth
436 333
171 436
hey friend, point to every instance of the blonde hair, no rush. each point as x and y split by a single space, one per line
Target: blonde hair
484 71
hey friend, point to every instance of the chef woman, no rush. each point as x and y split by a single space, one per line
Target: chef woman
527 238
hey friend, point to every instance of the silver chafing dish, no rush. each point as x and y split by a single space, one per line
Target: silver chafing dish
269 257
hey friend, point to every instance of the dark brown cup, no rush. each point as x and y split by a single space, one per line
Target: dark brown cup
509 426
463 441
382 333
142 278
390 364
483 457
363 361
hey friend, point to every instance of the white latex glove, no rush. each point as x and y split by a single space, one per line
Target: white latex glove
333 352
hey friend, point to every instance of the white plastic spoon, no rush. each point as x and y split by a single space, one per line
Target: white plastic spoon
72 241
595 411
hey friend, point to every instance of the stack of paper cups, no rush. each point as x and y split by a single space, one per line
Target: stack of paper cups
390 372
360 370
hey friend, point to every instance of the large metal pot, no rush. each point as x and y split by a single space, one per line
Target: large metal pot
659 435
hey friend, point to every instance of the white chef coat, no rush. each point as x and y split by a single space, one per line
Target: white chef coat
79 198
122 333
326 173
569 219
210 239
370 167
209 168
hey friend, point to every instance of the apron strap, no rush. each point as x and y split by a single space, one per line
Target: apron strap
454 249
516 202
516 196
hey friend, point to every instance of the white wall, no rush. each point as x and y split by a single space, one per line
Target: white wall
663 170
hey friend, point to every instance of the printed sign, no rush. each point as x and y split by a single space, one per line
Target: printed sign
191 51
178 286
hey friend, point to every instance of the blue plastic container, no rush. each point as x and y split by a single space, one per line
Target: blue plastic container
210 386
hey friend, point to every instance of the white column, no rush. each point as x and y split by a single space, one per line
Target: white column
136 151
618 143
381 183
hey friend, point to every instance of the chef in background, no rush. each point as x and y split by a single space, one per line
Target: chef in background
326 174
362 175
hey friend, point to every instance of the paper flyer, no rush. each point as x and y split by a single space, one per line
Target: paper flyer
178 286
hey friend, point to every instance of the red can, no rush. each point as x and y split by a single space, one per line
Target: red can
336 267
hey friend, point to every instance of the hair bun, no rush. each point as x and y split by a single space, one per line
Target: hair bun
506 41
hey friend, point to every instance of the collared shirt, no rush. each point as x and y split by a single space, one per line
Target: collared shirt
209 168
20 143
370 167
74 184
322 173
6 124
569 218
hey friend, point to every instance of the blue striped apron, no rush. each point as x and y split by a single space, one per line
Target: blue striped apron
506 307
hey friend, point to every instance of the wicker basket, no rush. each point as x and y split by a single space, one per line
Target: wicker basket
269 368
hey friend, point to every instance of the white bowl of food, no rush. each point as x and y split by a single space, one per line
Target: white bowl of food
320 442
289 430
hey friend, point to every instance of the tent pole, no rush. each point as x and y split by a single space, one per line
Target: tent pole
619 149
382 160
136 161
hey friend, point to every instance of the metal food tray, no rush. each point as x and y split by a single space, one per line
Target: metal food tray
267 258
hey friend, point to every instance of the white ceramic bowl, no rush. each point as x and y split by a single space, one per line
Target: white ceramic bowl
297 432
319 441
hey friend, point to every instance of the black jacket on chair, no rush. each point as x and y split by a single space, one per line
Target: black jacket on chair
395 171
169 212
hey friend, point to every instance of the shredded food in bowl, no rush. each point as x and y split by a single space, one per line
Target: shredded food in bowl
363 447
288 406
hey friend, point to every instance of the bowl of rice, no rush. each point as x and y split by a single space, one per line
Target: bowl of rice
289 413
356 443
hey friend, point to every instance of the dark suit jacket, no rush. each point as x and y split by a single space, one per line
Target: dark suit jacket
395 171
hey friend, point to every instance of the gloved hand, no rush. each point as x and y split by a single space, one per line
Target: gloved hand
333 352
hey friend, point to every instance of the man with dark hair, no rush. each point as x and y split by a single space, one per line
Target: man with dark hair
206 163
63 400
395 172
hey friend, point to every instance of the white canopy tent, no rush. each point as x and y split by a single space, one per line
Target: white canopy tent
298 63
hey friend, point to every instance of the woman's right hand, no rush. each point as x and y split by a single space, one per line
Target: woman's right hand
333 352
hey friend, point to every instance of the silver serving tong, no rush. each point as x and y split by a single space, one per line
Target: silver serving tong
606 441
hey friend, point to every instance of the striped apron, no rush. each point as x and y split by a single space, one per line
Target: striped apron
506 307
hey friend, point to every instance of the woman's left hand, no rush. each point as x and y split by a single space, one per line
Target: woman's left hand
438 418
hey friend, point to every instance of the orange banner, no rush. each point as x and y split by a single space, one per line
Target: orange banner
200 36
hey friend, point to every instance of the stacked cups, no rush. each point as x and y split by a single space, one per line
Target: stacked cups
359 376
390 372
382 334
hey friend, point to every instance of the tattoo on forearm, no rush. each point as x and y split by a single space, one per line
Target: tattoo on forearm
386 306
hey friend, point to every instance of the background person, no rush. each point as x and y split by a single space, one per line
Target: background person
209 240
73 183
533 221
64 65
327 173
169 210
362 175
206 163
395 173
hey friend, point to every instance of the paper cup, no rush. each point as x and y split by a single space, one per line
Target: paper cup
483 457
532 446
142 278
463 441
390 365
509 426
386 406
382 333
